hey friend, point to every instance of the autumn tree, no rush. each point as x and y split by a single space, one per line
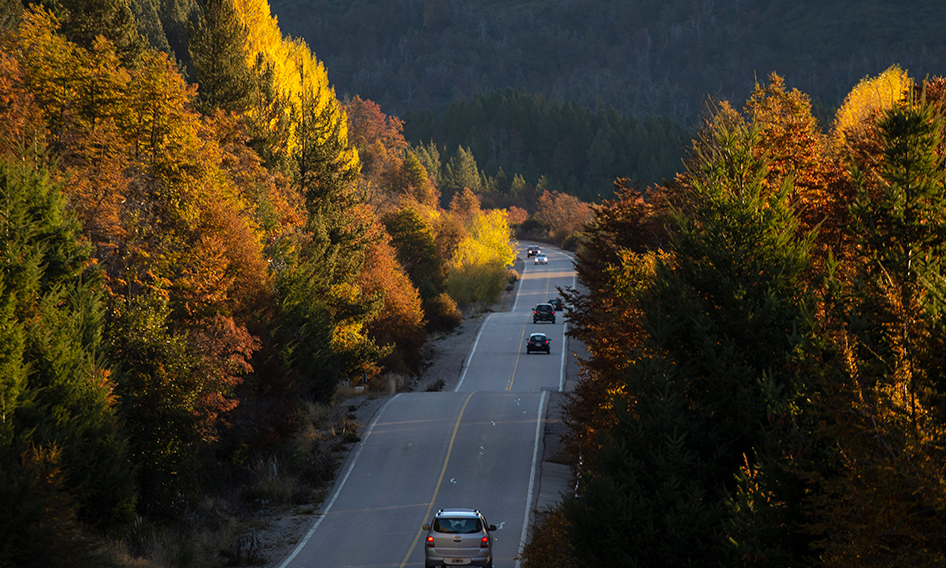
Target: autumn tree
477 270
564 214
797 149
181 260
400 322
890 422
616 259
381 149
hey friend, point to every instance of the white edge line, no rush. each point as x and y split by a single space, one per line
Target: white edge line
521 276
338 488
561 368
469 359
535 458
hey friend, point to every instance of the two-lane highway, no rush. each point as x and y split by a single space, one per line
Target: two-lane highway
477 446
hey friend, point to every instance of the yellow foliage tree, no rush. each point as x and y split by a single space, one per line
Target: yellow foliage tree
869 98
297 74
478 268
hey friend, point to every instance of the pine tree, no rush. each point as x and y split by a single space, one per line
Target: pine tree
218 43
84 20
64 461
724 314
889 504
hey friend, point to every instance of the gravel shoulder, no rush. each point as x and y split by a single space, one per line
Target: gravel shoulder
280 532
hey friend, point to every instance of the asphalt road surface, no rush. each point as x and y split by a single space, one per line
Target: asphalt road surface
475 447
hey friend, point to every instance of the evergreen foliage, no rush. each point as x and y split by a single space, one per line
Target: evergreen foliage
724 316
581 151
416 246
64 457
643 58
84 20
321 316
217 48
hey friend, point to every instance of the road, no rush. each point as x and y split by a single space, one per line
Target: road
477 446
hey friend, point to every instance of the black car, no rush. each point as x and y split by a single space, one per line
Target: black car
543 312
533 250
556 304
539 342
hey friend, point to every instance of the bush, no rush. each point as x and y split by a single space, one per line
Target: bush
477 283
549 546
442 313
573 241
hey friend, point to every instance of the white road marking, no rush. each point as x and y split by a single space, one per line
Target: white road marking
535 459
338 488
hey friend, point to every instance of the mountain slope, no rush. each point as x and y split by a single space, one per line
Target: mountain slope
642 57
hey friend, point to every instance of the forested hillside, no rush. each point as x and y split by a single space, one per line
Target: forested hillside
643 57
190 269
765 383
559 146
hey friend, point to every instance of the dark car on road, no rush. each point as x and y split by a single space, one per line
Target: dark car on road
556 304
534 250
459 537
539 342
543 312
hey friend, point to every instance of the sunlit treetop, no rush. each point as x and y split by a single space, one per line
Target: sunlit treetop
868 99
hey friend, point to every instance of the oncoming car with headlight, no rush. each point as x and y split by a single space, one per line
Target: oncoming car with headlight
459 537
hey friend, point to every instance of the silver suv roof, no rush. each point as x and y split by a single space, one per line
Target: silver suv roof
458 513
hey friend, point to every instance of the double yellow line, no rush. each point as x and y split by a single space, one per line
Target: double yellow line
440 480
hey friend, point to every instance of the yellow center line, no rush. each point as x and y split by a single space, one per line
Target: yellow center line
516 365
439 481
548 280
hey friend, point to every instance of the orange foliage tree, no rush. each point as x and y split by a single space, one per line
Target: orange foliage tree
564 214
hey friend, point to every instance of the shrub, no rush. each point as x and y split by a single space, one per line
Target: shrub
477 283
442 313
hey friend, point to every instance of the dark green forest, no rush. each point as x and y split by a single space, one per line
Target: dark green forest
643 57
578 151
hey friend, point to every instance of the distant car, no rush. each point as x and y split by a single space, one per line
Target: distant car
541 258
459 537
534 250
539 342
543 312
556 304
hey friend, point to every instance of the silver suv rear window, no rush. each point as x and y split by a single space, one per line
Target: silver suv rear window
457 526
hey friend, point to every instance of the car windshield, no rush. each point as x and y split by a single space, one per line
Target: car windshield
457 526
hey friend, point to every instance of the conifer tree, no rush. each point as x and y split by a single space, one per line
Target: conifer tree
724 315
63 460
217 48
84 20
416 246
323 310
889 404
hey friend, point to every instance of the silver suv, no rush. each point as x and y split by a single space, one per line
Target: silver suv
459 537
